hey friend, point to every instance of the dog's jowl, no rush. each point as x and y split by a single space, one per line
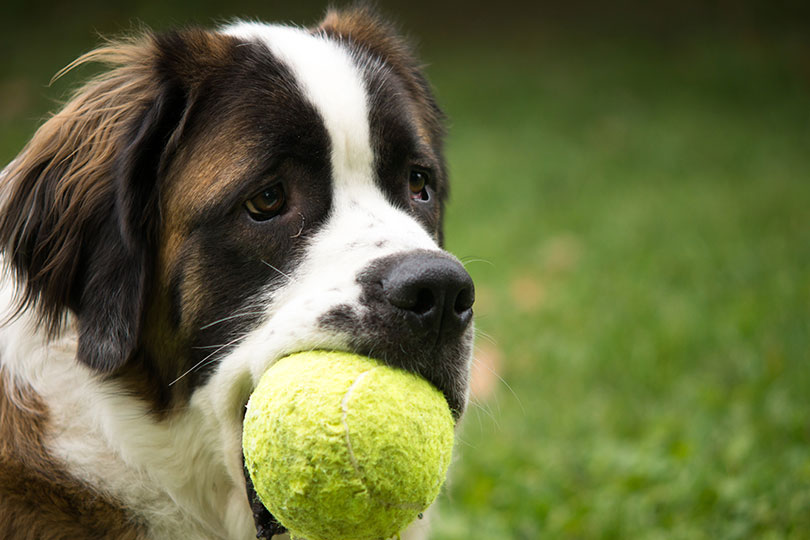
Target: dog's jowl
213 201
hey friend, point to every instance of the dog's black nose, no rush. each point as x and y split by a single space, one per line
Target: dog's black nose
434 293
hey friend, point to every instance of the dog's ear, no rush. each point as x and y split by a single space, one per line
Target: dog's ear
81 209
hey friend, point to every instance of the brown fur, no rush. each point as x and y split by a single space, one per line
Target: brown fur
38 499
65 178
56 192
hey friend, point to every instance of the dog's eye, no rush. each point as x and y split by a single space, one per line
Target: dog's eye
419 181
267 204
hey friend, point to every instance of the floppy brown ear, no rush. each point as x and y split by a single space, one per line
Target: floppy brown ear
81 209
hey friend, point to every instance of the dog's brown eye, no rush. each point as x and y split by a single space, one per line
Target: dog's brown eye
418 184
267 204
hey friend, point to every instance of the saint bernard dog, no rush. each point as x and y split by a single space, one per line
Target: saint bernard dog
212 202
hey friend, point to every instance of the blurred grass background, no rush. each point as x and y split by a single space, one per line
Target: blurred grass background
632 197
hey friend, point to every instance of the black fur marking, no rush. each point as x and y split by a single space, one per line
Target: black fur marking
341 317
180 92
227 262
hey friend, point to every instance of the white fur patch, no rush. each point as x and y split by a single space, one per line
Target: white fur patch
333 84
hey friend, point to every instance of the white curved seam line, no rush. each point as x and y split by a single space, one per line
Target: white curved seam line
344 406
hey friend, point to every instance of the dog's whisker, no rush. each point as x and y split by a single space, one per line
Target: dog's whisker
202 362
502 381
480 411
230 317
464 442
483 407
209 362
466 261
300 230
485 336
289 277
218 345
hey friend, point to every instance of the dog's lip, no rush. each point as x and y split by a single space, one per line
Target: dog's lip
266 523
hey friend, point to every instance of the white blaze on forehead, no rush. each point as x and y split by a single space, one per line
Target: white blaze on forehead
333 84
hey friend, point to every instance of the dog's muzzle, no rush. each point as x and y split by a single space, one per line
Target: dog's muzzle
417 316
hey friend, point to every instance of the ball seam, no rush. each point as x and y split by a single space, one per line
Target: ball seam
344 405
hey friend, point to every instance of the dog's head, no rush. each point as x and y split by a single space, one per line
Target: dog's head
218 200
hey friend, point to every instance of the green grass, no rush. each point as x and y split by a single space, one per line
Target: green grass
659 203
637 219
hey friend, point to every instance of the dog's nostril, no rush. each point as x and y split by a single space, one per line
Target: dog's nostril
464 300
424 302
409 295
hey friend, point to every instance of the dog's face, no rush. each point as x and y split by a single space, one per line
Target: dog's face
222 199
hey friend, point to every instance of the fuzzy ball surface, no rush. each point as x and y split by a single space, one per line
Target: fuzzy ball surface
341 447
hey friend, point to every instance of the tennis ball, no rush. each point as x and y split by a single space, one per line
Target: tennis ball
341 447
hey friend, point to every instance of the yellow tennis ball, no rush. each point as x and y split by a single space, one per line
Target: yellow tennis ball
341 447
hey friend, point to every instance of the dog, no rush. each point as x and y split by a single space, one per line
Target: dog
214 201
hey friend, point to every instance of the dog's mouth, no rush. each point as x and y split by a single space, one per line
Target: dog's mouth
266 524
